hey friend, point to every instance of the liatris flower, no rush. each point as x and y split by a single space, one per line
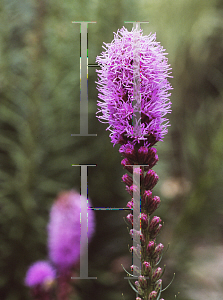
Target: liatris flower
115 86
64 229
40 273
40 278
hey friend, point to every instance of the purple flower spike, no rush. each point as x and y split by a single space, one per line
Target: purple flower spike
116 87
40 273
64 229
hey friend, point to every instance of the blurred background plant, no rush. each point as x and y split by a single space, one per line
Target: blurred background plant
39 110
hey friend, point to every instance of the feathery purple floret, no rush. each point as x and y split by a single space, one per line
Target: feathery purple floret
115 86
40 273
64 229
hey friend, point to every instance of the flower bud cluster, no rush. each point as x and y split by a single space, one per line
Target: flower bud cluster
150 226
151 179
143 156
154 251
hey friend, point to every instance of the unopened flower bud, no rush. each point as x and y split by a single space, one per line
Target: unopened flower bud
158 250
142 282
130 204
158 285
138 287
146 199
144 221
150 248
154 223
142 239
153 204
147 156
134 205
128 152
152 295
129 218
133 188
157 274
138 298
143 154
154 233
152 157
126 164
127 179
147 268
151 179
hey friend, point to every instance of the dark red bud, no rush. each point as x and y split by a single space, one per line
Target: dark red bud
143 240
134 205
150 248
146 199
154 233
126 164
147 156
144 221
129 153
127 179
154 223
153 204
152 157
142 155
130 204
151 179
129 218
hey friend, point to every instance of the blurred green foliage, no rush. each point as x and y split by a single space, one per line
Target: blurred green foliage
39 110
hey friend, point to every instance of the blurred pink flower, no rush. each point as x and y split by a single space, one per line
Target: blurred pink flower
64 229
40 273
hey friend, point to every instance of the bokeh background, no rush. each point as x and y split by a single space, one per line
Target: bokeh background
39 110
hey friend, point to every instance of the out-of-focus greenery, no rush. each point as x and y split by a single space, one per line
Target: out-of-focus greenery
39 110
